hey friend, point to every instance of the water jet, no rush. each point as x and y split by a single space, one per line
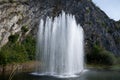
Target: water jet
60 47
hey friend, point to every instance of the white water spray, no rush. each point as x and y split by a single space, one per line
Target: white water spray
60 49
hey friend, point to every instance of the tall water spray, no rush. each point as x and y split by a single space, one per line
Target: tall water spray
60 46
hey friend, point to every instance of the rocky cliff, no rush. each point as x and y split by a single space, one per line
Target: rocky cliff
13 16
98 28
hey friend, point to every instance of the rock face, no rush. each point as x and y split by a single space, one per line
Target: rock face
98 28
13 16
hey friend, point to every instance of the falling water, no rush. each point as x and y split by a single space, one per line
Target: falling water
60 46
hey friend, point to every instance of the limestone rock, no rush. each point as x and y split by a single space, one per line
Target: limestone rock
98 28
13 16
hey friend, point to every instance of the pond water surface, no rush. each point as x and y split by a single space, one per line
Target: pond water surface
87 75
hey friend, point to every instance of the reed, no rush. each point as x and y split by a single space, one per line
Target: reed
13 73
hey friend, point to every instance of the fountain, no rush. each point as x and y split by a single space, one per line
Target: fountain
60 49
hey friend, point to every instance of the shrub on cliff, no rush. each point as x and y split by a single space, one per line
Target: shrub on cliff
29 44
13 38
12 53
100 56
15 52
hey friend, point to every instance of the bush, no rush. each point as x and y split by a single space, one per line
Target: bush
13 38
118 60
18 52
29 44
100 56
24 29
12 53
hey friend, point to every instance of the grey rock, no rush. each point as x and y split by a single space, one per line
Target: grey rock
13 17
98 28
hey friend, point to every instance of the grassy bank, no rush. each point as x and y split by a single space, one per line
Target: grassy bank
28 66
104 67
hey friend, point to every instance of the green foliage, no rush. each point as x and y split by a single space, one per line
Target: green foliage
87 10
18 52
103 24
100 56
12 53
118 60
13 38
110 31
24 29
29 44
11 1
89 22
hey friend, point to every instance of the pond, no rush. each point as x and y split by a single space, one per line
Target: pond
87 75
